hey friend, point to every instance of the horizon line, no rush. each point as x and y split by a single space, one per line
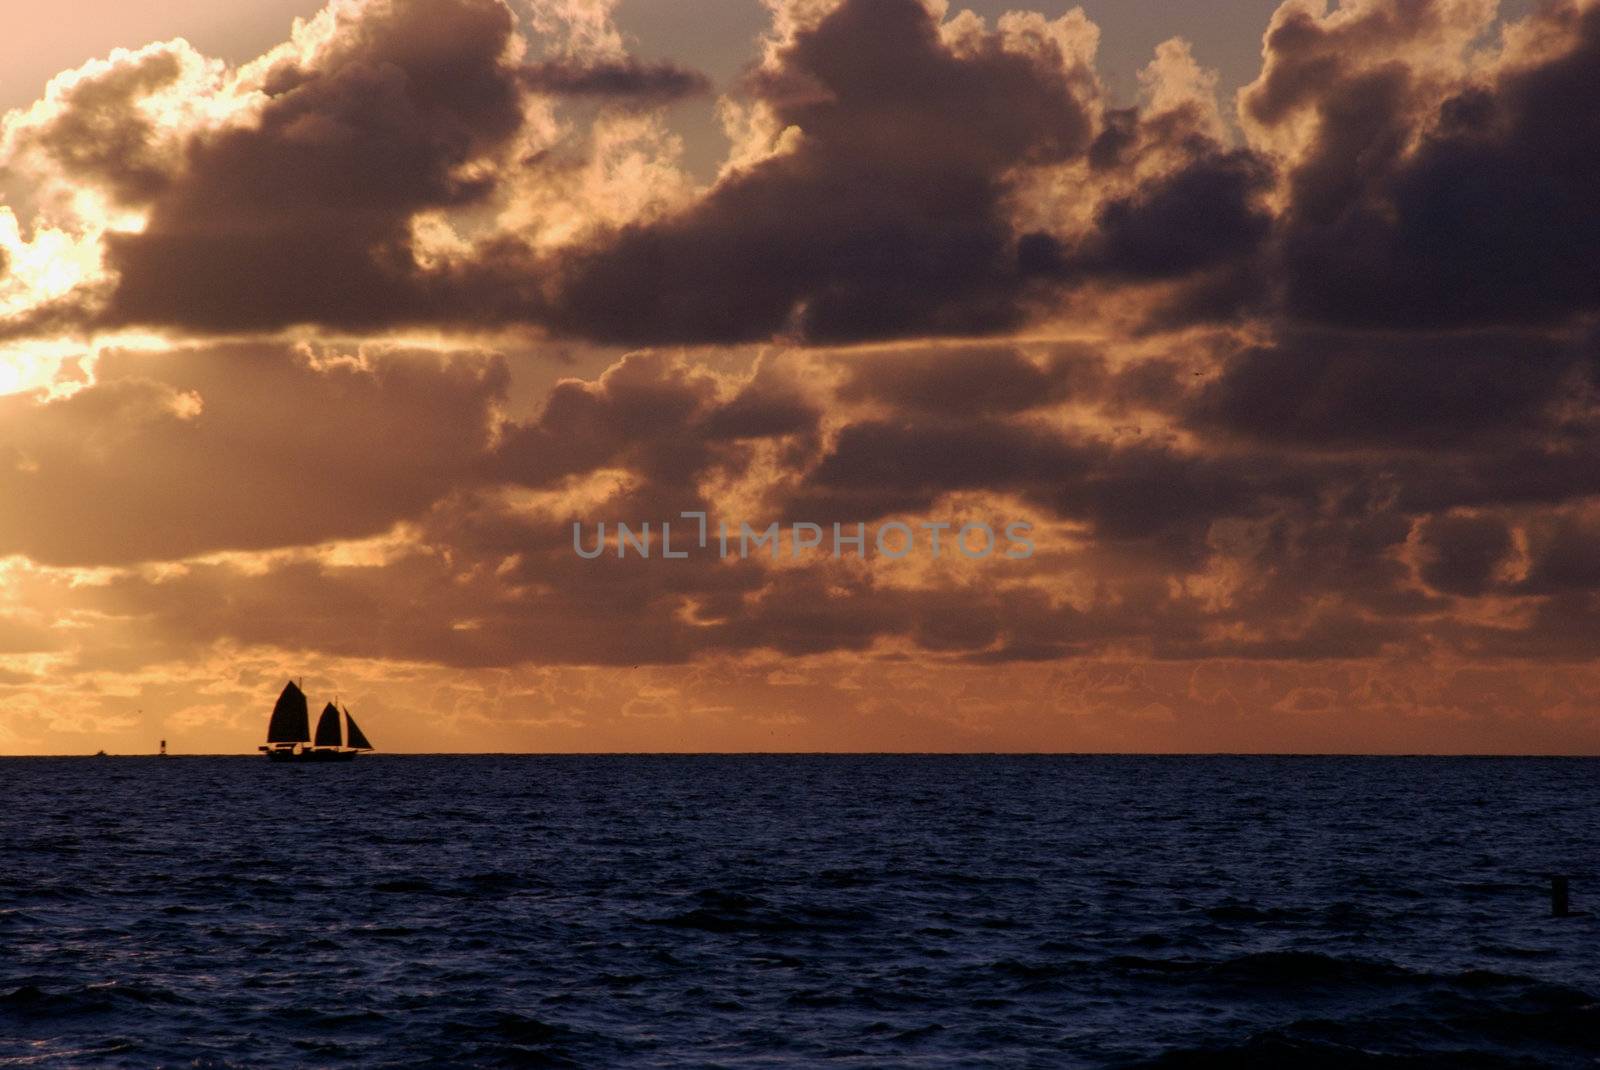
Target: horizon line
857 754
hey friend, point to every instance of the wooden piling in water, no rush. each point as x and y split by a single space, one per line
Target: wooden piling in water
1559 905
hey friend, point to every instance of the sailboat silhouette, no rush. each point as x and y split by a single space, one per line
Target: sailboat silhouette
289 732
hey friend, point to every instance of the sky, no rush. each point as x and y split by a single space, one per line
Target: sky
1242 357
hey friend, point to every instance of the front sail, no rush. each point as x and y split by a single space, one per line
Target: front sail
358 738
328 727
291 722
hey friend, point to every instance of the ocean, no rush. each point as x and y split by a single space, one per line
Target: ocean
762 911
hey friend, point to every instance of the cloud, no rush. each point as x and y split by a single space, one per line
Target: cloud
1374 388
628 77
104 123
1462 553
976 380
1177 216
18 636
1203 214
920 178
303 213
238 447
1443 200
1144 542
1563 552
1306 406
641 414
884 214
1311 49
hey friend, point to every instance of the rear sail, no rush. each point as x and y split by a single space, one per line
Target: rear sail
358 738
291 721
328 727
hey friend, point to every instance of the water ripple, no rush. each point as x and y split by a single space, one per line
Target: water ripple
755 911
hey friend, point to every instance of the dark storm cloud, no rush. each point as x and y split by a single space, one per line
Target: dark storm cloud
888 216
885 219
625 78
1564 555
1372 388
1204 215
1305 53
1352 549
1198 217
891 212
1127 491
101 135
304 215
876 467
1492 218
977 380
1530 474
1462 553
66 316
761 413
640 415
656 418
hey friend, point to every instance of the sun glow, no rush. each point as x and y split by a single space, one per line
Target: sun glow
56 368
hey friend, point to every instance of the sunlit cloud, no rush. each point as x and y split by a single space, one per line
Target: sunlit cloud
314 364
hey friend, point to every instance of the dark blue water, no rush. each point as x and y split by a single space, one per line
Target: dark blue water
768 911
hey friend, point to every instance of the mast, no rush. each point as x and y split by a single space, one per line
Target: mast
358 738
328 727
291 721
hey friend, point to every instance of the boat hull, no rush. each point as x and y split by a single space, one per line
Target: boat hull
311 755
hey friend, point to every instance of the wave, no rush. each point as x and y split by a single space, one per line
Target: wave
33 1001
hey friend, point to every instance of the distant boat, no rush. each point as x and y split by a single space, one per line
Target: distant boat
101 754
289 732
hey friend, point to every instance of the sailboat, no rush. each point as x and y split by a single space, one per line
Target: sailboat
289 732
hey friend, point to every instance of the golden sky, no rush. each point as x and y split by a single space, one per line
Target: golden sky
1272 328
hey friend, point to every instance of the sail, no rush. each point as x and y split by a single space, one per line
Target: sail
291 722
358 738
328 727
